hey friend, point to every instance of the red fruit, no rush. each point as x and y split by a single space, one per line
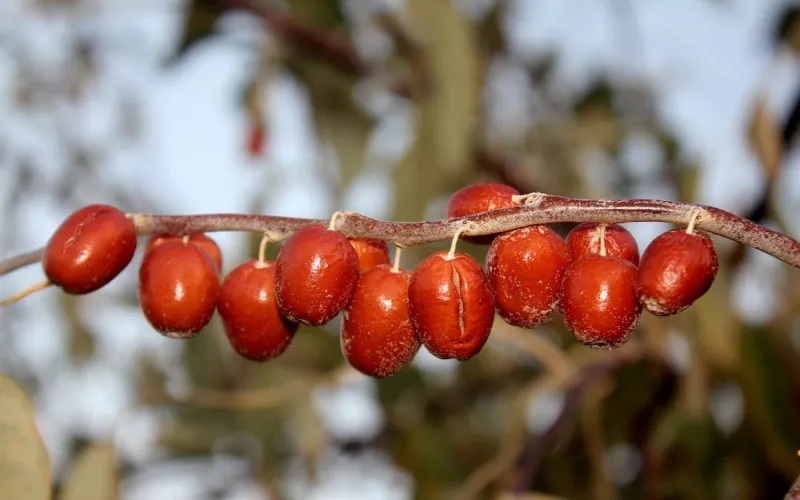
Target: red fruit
256 139
315 275
378 338
526 267
199 239
584 239
597 300
477 198
451 305
89 249
253 324
676 269
178 288
371 252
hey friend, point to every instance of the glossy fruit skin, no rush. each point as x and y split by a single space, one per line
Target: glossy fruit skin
371 252
247 305
526 267
676 269
477 198
199 239
597 301
451 305
178 288
315 274
378 338
584 239
89 249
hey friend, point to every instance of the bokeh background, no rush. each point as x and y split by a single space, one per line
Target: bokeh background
303 107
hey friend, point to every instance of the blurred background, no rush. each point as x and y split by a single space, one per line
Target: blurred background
385 107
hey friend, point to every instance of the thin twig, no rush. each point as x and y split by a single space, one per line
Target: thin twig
19 261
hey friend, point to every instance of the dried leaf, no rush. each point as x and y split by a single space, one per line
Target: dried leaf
93 475
764 136
24 464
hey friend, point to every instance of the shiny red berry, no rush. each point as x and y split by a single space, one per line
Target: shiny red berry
378 338
526 267
178 288
371 252
247 305
451 305
584 239
199 239
477 198
315 275
597 300
89 249
676 269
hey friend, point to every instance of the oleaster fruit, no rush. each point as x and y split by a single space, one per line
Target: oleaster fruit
315 274
371 252
451 305
525 268
201 240
377 336
584 239
253 324
178 288
89 249
677 268
477 198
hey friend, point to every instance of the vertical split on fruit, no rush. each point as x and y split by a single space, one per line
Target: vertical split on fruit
178 288
584 239
201 240
477 198
451 305
315 274
526 267
89 249
371 252
676 269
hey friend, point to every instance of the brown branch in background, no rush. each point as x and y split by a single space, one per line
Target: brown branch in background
19 261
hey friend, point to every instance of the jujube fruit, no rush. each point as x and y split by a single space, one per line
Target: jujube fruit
178 288
371 252
597 300
584 239
378 338
676 269
315 274
201 240
526 267
89 249
451 305
477 198
254 326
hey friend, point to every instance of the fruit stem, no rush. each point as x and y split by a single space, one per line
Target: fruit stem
185 239
531 199
601 229
262 250
693 220
24 293
452 253
334 218
397 252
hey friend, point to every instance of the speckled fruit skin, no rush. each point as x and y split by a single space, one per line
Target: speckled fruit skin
525 268
584 239
315 275
597 301
378 338
89 249
676 269
477 198
199 239
371 252
178 288
247 305
451 305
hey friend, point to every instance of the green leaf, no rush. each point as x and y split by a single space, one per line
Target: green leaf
93 475
24 464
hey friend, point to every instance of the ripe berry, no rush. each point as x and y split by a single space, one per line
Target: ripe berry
378 338
199 239
89 249
178 288
253 324
676 269
584 239
315 275
451 305
477 198
597 300
371 252
526 267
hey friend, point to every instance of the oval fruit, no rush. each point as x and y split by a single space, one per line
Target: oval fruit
477 198
199 239
584 239
371 252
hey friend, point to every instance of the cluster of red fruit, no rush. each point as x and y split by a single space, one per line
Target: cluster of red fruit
595 278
